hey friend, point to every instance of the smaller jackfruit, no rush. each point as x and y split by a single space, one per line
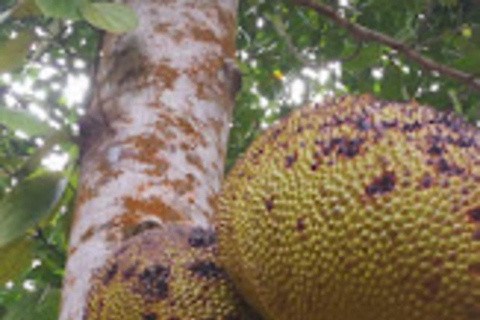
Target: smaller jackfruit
357 209
165 273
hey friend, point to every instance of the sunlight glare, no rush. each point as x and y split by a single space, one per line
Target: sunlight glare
297 91
37 111
79 64
9 100
21 135
377 73
46 72
76 89
260 23
55 161
29 285
434 87
263 102
7 78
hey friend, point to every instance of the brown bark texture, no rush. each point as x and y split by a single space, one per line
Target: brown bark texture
154 137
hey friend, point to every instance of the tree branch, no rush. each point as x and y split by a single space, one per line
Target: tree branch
364 34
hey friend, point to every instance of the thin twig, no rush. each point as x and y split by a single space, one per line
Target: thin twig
39 235
362 33
281 31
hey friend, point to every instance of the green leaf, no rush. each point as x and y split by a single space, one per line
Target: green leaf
25 8
16 256
28 202
112 17
38 305
24 121
65 9
14 51
61 138
392 84
366 57
448 3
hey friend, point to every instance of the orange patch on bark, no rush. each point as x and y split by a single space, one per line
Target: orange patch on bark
84 194
212 201
227 42
145 149
107 172
161 27
195 160
183 186
205 76
166 121
87 234
153 206
168 74
203 34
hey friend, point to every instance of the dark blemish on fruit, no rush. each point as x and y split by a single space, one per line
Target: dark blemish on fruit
474 214
149 316
380 185
465 142
426 181
362 124
444 167
435 149
337 121
290 160
389 124
432 287
476 235
444 183
474 269
453 123
409 127
112 271
127 274
269 204
349 148
314 166
300 224
153 281
206 269
333 143
276 133
201 238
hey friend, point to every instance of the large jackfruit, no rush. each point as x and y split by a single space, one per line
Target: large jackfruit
357 209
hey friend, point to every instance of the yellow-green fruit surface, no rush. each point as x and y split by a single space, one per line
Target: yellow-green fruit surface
357 209
167 273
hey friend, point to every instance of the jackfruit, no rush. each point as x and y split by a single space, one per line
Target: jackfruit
357 209
165 273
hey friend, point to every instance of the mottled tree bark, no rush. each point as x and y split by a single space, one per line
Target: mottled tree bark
154 137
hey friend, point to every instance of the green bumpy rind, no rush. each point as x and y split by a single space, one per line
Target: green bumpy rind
357 209
166 273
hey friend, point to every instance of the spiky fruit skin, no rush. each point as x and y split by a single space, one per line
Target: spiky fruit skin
167 273
357 209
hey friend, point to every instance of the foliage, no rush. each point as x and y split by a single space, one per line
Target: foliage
287 55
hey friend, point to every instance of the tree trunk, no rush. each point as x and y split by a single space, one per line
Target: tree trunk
154 137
